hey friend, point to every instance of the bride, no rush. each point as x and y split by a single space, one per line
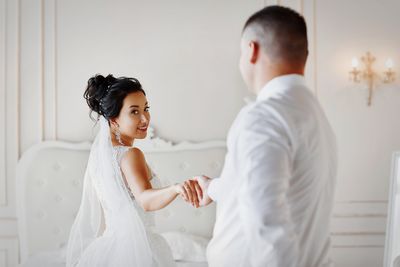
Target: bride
113 226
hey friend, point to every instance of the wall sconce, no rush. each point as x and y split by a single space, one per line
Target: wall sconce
369 75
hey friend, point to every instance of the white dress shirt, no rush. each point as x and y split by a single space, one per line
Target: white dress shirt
275 194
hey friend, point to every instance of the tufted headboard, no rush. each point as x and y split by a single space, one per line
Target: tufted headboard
49 187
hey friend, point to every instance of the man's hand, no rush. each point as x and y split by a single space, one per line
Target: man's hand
190 191
203 197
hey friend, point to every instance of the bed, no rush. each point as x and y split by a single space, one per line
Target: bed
49 186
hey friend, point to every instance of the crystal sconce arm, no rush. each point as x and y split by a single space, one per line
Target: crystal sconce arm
368 74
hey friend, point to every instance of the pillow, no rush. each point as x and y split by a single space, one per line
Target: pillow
51 258
187 247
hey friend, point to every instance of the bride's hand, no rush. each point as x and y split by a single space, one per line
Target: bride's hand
189 190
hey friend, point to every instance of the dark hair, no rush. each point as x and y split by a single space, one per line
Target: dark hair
105 95
282 32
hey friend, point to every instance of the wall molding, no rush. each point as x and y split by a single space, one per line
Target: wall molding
18 78
3 95
271 2
50 77
41 80
301 6
8 228
3 257
10 90
314 41
359 224
9 251
309 11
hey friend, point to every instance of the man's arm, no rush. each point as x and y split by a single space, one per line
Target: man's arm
264 162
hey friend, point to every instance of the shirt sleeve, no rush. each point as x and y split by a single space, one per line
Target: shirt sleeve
264 160
214 188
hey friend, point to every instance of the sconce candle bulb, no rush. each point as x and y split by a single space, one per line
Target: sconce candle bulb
389 75
389 63
355 73
354 63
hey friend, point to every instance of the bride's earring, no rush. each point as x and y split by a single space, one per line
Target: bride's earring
118 136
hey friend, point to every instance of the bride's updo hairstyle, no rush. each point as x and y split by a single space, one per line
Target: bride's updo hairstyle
105 95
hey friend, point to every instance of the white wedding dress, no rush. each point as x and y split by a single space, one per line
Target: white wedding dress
111 229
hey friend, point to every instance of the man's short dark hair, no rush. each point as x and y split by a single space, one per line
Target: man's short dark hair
281 32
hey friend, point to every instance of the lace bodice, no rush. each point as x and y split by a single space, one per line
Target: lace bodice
147 217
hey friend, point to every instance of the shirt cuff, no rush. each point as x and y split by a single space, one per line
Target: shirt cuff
212 190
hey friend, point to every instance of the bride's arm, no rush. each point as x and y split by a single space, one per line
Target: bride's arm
137 175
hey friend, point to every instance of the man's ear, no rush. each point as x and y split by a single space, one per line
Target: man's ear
254 48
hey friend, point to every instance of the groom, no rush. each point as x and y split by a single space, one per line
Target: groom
274 197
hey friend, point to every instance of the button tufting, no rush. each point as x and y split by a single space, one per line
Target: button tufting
58 198
56 231
182 229
56 166
76 182
40 182
40 214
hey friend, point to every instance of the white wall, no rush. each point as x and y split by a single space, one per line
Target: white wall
367 136
185 53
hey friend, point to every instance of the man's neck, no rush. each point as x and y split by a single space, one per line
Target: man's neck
268 76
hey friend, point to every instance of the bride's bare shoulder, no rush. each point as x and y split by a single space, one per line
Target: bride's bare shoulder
134 151
133 158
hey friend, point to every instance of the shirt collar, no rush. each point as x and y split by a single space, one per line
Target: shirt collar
279 85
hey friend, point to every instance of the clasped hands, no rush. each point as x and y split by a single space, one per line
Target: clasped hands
194 191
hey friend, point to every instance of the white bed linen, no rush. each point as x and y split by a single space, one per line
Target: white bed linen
55 259
196 245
